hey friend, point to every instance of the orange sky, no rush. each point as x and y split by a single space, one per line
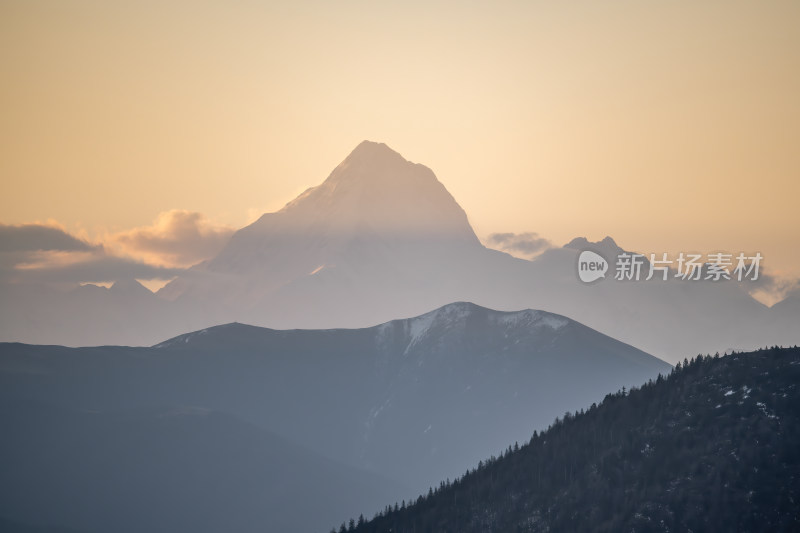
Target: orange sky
672 126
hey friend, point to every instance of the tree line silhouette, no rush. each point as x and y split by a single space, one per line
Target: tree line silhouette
715 445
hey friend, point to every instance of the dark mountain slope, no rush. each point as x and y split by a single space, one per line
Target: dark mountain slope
166 470
8 526
391 398
714 447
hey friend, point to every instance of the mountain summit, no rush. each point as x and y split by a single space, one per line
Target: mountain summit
373 193
378 219
376 191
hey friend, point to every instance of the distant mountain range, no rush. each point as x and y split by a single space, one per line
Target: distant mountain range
381 237
240 428
712 448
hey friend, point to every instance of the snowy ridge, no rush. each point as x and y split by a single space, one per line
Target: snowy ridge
447 316
455 315
187 337
444 318
532 318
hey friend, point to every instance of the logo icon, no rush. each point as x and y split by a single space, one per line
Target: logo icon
591 266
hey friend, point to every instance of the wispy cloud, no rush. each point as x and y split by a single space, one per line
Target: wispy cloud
87 267
770 290
36 237
48 253
525 245
175 239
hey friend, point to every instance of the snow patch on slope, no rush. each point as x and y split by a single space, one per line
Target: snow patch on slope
531 318
445 317
418 327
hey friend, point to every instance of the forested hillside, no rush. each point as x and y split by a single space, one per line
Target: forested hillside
714 446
